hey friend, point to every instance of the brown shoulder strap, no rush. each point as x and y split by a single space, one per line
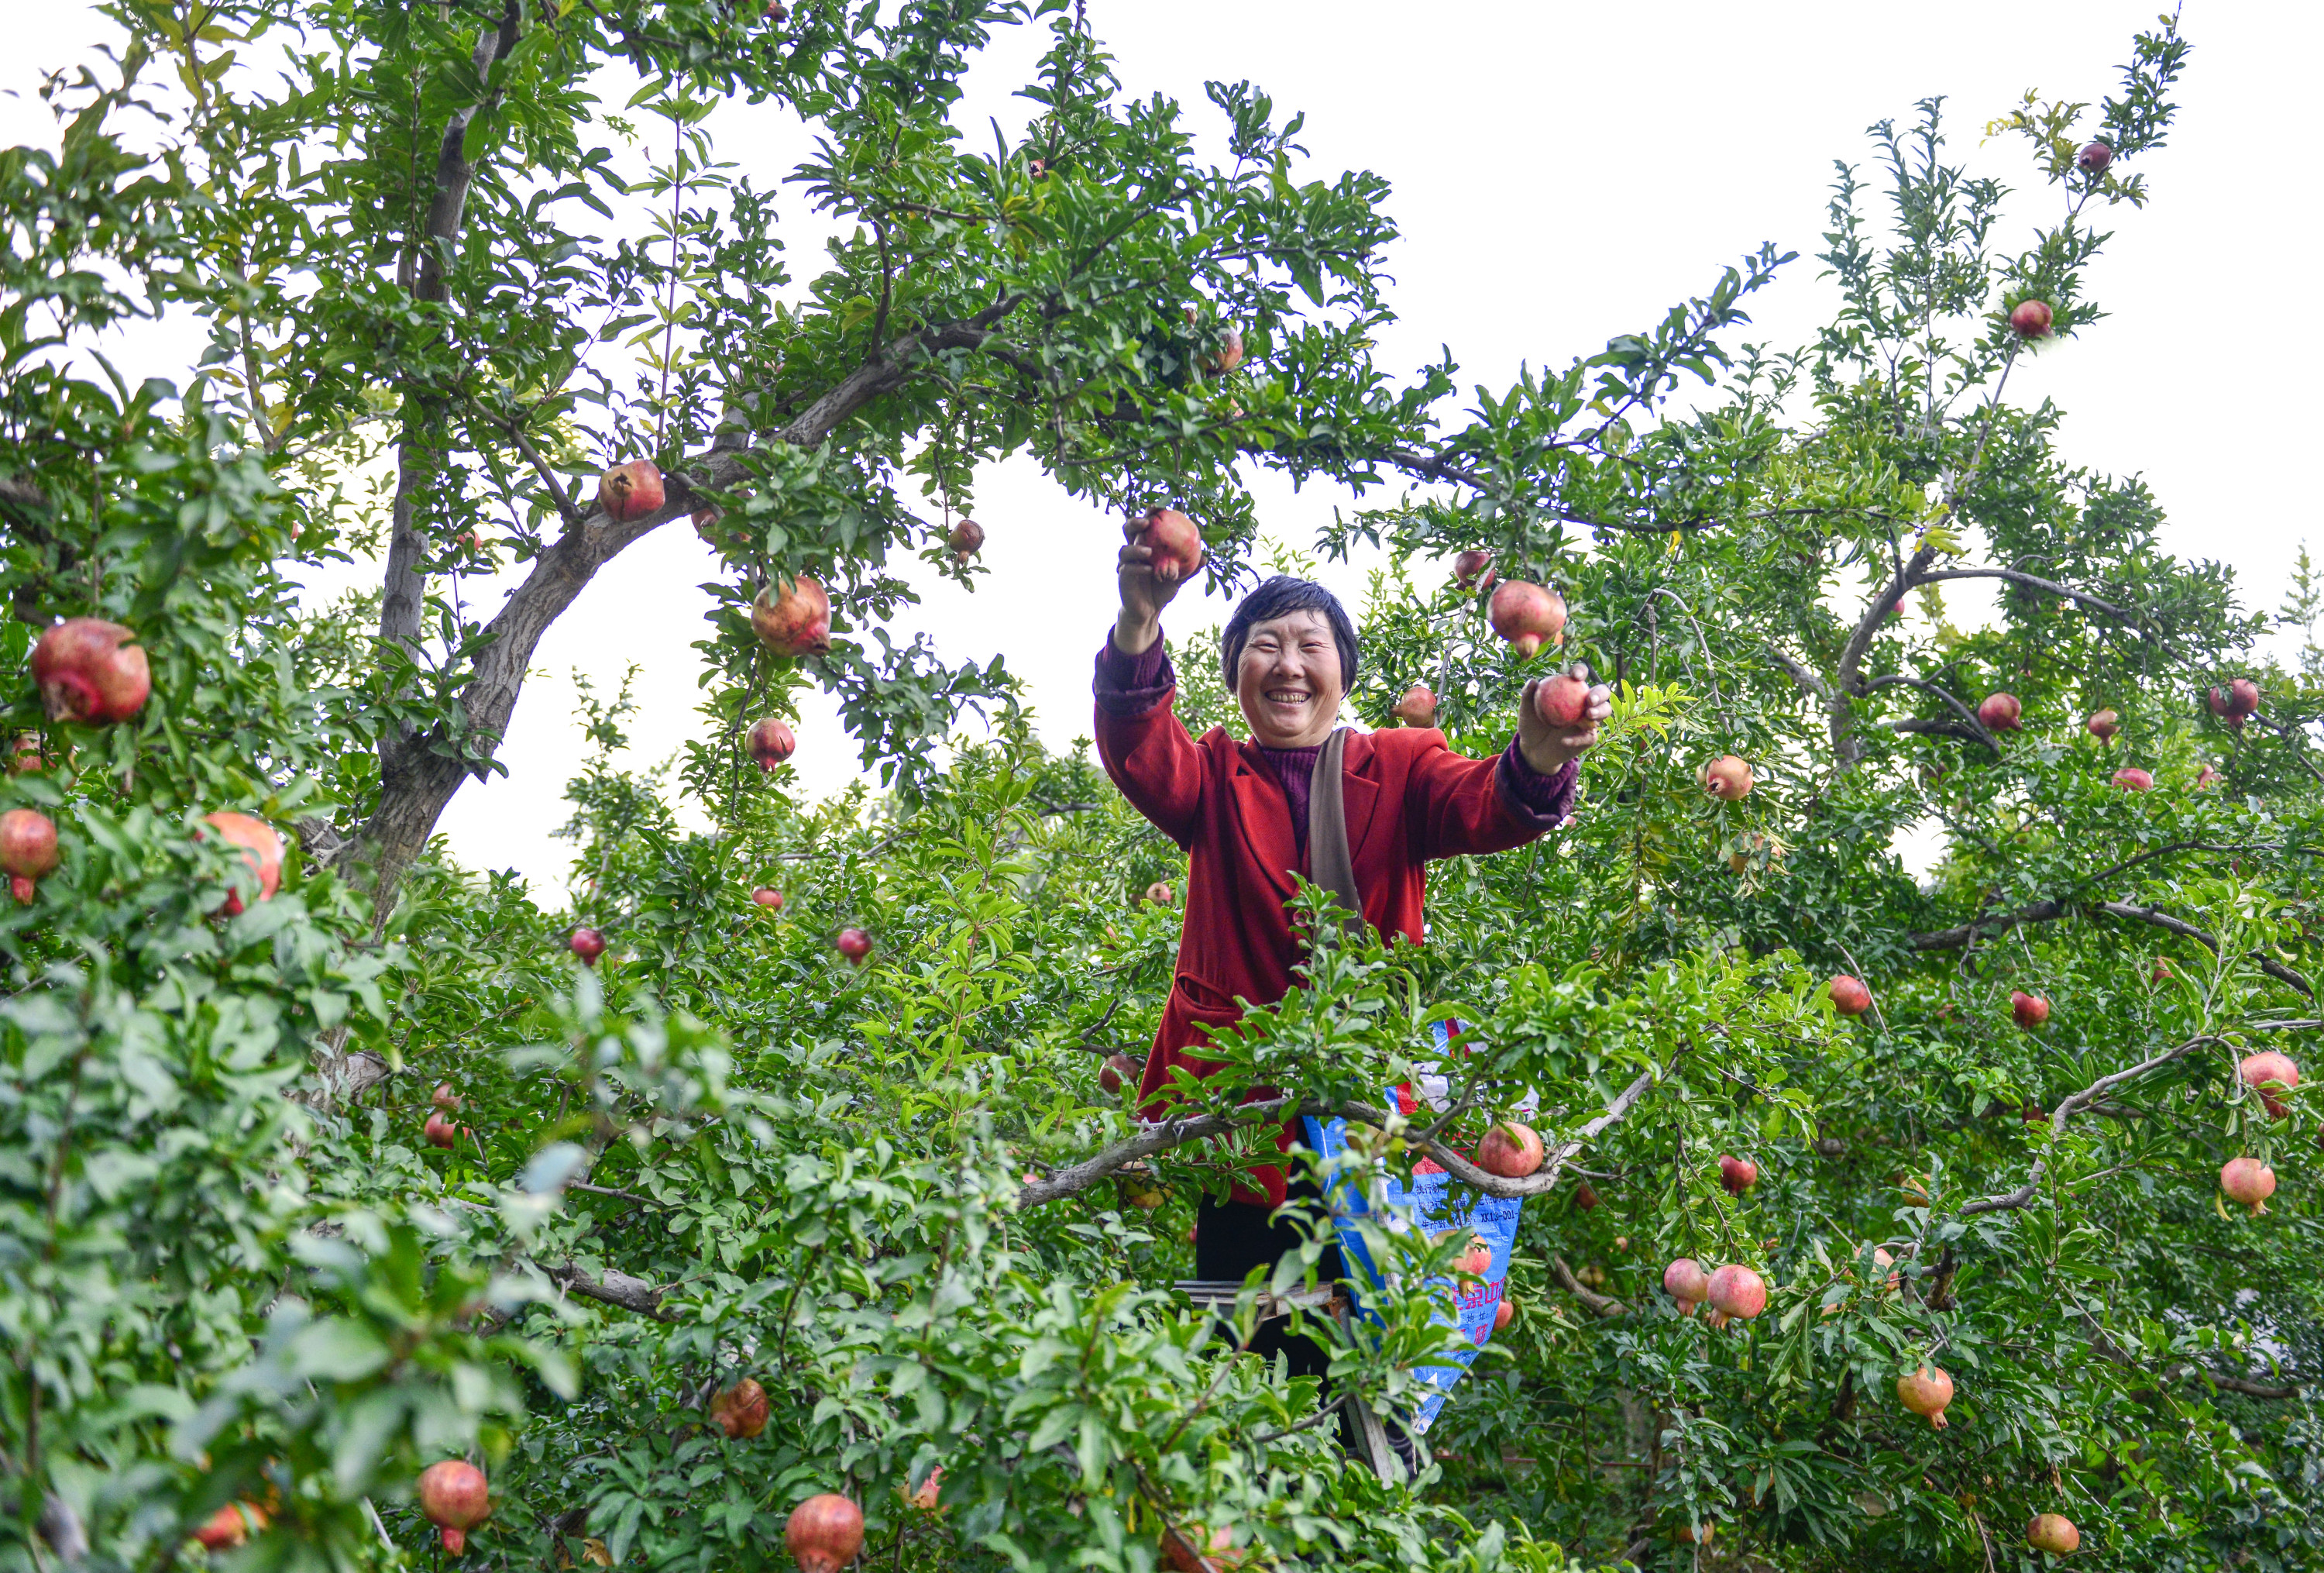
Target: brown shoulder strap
1330 863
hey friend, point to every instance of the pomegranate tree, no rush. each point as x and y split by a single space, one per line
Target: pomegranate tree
1728 778
1510 1150
856 945
967 537
1848 995
740 1411
1736 1291
630 492
768 897
2051 1532
1473 570
769 743
1175 543
1999 712
28 843
1417 707
1685 1281
587 944
2270 1074
2247 1182
1528 616
1737 1175
825 1532
2104 724
454 1496
1926 1392
795 620
2031 319
2029 1010
91 670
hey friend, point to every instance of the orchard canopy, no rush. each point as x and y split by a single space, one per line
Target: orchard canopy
322 1167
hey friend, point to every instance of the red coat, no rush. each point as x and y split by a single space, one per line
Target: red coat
1409 799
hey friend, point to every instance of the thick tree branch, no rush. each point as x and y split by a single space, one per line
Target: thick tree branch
2106 1349
1597 1304
2068 1107
1976 728
2032 582
2274 970
611 1288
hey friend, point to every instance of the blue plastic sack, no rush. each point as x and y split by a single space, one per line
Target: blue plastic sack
1433 1204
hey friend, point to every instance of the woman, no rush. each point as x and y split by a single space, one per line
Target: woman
1240 812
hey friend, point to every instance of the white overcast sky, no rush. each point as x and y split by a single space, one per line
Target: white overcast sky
1562 174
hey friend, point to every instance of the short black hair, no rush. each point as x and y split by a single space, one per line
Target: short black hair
1279 597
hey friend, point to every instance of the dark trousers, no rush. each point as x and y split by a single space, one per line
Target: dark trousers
1230 1238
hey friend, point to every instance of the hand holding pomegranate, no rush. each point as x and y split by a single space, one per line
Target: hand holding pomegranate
1161 551
1557 719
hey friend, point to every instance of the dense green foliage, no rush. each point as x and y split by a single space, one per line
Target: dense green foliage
230 1268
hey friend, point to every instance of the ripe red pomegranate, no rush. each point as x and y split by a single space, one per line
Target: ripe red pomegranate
1179 1555
587 944
2104 724
1160 894
768 898
441 1132
22 889
741 1410
454 1496
2029 1010
1527 617
1584 1198
2269 1073
2031 319
631 492
1417 707
769 742
1850 997
1728 778
1926 1392
967 537
797 621
1562 701
1473 570
1880 1258
262 849
1999 712
2093 161
1478 1260
444 1097
2243 697
1176 544
1509 1149
2160 971
26 756
2250 1181
2131 779
2206 777
1503 1314
1737 1291
1685 1281
88 669
824 1533
2050 1532
1738 1175
231 1526
856 945
1120 1070
1226 357
28 843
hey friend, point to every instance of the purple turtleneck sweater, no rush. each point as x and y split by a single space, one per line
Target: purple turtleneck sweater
1131 685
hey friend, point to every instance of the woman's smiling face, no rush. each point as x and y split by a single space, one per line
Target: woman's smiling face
1287 681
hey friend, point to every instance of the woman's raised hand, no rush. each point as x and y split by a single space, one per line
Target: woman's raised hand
1144 593
1547 746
